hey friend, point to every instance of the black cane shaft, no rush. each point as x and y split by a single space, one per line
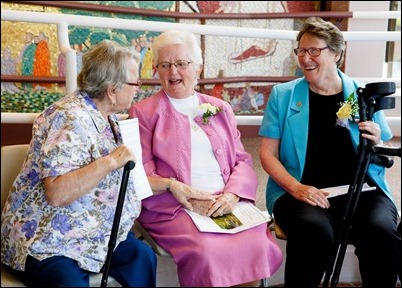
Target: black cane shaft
116 221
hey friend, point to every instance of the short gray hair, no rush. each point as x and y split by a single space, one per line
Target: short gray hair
103 65
328 32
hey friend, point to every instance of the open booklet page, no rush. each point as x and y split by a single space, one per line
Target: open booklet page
130 133
244 216
340 190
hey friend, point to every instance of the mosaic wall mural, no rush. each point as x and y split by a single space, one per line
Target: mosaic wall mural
30 49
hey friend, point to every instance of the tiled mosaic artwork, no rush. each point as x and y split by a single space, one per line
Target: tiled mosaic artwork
31 49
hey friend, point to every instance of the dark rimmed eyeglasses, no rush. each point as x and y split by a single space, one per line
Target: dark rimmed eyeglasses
138 84
313 52
179 64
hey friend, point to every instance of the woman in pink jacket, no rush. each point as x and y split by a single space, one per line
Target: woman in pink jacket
190 144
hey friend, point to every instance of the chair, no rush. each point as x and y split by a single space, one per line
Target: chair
144 235
12 158
273 226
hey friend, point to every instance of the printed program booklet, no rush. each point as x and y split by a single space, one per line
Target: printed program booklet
244 216
130 132
341 190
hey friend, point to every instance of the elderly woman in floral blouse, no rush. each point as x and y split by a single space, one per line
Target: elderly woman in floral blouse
57 221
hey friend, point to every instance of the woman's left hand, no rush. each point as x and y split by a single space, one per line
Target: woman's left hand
371 131
224 204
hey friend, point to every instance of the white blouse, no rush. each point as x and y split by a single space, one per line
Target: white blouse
205 171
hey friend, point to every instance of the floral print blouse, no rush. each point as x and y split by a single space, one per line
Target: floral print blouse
68 135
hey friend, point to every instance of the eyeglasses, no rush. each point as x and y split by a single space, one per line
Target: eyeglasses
138 84
179 64
313 52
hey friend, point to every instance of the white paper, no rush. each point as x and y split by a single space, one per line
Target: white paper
130 133
340 190
244 216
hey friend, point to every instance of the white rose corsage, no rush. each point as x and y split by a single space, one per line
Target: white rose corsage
207 110
348 111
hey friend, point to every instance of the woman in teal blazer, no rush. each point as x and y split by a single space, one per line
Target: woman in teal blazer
304 150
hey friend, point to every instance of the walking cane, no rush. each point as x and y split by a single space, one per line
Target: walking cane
116 221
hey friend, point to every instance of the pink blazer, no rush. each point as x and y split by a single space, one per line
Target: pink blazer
166 151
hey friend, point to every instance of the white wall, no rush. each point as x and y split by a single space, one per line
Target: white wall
367 58
358 62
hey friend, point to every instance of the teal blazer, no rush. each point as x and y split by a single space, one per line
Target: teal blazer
286 117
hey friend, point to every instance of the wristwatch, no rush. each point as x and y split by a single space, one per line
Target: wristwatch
169 184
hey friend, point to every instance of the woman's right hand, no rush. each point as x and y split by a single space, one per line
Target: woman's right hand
311 195
121 155
183 193
201 206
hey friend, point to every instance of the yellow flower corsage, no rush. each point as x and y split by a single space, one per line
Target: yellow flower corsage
348 111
